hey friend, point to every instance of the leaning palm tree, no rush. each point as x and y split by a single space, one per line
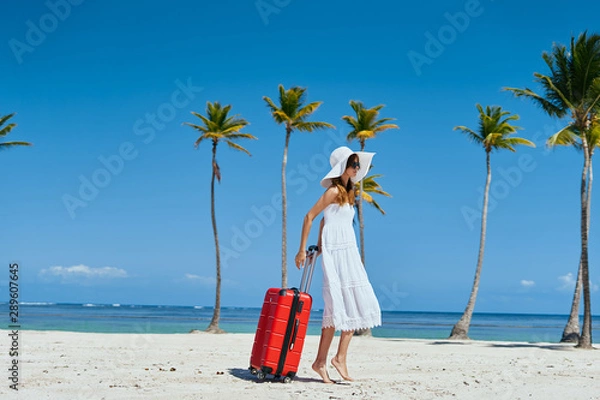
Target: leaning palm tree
493 134
6 130
365 125
571 136
369 187
218 126
573 89
293 113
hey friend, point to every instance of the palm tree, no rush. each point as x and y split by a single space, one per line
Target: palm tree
6 130
494 134
218 126
571 136
573 89
293 113
365 125
369 187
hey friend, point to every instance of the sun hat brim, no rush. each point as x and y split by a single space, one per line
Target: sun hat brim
364 158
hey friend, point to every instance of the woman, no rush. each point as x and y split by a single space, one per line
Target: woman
350 303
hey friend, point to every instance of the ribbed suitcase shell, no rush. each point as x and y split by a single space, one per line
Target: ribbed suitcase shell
281 332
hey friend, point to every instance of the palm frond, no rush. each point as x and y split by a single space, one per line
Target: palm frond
549 107
200 128
471 134
278 115
565 137
6 130
6 118
241 136
370 186
8 145
308 110
237 147
385 127
305 126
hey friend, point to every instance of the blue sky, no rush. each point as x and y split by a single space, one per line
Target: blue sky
102 90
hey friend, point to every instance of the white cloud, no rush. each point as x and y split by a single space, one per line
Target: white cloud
526 283
204 280
82 272
208 280
567 282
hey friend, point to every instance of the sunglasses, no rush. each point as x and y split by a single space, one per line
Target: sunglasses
355 164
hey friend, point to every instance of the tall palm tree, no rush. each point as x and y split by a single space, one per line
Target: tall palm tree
570 136
6 130
218 126
369 187
493 134
365 125
293 113
573 89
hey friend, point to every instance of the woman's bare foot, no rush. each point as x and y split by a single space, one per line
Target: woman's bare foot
321 369
341 368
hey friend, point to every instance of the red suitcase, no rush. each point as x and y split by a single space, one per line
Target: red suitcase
282 328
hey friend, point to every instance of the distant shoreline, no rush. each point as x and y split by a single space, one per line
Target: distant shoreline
143 319
124 305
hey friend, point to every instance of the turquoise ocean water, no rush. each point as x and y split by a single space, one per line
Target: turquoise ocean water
120 318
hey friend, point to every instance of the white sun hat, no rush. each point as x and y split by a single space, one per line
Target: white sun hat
339 159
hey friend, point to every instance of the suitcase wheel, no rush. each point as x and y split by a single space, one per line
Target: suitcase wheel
253 370
260 374
287 379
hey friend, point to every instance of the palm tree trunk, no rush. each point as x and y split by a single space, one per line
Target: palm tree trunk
585 340
213 327
571 331
361 223
460 331
288 132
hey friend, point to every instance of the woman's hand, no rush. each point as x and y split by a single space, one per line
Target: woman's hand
300 259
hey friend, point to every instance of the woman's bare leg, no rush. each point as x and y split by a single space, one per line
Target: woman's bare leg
339 361
320 364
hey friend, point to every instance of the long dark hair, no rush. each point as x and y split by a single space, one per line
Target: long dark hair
346 193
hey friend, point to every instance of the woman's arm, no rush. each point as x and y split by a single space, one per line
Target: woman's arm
328 197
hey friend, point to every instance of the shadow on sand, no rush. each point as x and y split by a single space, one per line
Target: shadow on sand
544 346
559 347
245 374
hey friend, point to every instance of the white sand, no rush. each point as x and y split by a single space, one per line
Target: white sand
79 366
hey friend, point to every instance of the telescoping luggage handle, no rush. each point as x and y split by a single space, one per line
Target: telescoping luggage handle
309 267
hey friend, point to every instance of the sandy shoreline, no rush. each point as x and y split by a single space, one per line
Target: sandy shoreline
67 365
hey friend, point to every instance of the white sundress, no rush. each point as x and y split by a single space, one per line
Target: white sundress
350 302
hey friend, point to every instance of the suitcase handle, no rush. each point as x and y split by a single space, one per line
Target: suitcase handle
296 326
309 268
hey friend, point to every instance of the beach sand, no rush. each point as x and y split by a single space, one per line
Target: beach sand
79 366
